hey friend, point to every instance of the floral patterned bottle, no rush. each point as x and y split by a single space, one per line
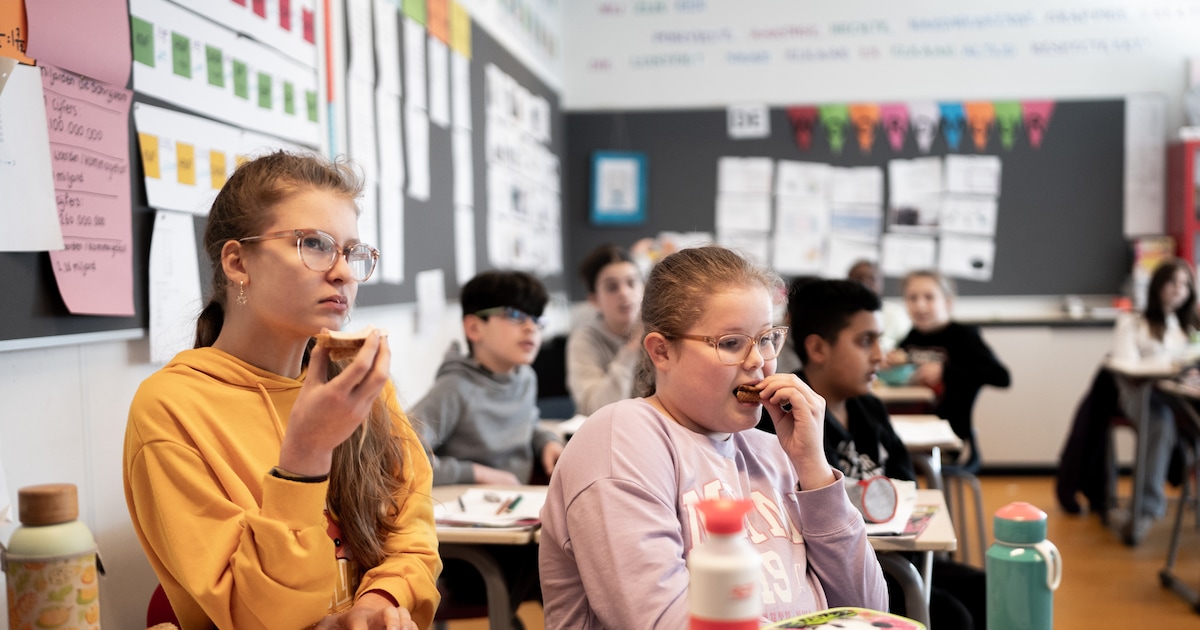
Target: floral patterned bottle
52 563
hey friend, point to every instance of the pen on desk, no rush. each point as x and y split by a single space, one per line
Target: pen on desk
513 504
462 506
503 506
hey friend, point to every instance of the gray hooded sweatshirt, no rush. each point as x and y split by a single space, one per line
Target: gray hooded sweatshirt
472 415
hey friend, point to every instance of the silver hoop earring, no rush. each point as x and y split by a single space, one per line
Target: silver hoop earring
241 296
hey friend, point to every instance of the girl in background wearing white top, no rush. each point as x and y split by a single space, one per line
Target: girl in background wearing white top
602 354
1159 334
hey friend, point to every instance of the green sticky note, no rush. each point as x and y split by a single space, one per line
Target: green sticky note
241 80
264 90
289 97
311 97
142 33
216 66
415 11
181 55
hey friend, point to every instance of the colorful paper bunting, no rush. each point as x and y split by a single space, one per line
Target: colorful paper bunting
895 124
804 120
835 118
865 118
980 115
954 121
1008 116
1037 119
924 117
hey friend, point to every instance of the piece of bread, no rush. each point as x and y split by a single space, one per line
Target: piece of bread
748 393
344 345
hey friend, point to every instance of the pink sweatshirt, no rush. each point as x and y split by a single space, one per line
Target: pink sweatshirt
619 522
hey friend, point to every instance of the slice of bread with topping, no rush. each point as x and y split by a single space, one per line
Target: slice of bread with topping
344 345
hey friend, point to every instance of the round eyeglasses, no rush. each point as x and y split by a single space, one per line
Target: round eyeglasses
514 315
734 348
319 251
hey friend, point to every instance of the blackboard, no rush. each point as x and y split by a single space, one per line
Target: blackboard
35 314
1060 219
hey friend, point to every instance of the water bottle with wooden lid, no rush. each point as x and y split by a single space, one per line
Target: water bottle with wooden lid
52 563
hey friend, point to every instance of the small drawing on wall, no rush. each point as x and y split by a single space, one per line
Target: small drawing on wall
618 188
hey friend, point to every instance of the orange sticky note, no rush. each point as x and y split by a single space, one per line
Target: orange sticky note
216 166
185 162
14 30
149 146
437 15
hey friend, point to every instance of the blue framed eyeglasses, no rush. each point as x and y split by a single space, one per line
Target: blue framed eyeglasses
514 315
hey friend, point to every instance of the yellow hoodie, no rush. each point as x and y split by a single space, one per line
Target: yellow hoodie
234 546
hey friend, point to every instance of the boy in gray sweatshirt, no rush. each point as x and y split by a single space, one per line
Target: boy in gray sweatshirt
479 421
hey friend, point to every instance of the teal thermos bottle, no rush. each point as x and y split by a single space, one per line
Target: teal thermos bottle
1023 570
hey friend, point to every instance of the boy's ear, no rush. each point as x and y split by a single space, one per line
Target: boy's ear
593 300
659 349
817 349
473 327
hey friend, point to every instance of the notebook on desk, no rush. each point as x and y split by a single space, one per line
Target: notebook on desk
482 507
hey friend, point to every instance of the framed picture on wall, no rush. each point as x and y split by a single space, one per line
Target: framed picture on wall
618 188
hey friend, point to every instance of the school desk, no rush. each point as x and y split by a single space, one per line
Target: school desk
470 544
904 398
1184 399
1140 378
925 436
892 551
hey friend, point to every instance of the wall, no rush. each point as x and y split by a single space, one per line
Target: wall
674 54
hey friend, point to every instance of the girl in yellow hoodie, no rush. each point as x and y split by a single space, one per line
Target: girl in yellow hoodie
269 486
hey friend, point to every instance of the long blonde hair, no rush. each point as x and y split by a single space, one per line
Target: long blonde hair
365 481
678 289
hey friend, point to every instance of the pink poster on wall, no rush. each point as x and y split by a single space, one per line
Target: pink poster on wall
88 122
91 38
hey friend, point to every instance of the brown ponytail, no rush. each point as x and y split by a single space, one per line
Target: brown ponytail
367 472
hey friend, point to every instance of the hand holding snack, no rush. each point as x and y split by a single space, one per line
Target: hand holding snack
328 409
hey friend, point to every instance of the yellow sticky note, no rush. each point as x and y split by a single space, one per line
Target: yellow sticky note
185 156
216 165
460 30
149 146
241 159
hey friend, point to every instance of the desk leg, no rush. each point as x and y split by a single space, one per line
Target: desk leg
928 464
916 595
1139 463
499 611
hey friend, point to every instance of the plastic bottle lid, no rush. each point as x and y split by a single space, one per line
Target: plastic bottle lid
48 504
1019 522
724 516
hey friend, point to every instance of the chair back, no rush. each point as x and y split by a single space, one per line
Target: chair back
159 610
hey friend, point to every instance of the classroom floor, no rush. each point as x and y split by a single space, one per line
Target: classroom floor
1105 583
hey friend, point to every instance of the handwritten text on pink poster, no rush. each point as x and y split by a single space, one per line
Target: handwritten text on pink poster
88 122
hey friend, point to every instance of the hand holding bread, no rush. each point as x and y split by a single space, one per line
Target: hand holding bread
328 410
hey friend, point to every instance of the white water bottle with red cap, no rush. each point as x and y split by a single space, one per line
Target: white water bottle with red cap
725 571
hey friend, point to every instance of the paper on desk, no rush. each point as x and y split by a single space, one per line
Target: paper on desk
906 500
478 508
925 433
